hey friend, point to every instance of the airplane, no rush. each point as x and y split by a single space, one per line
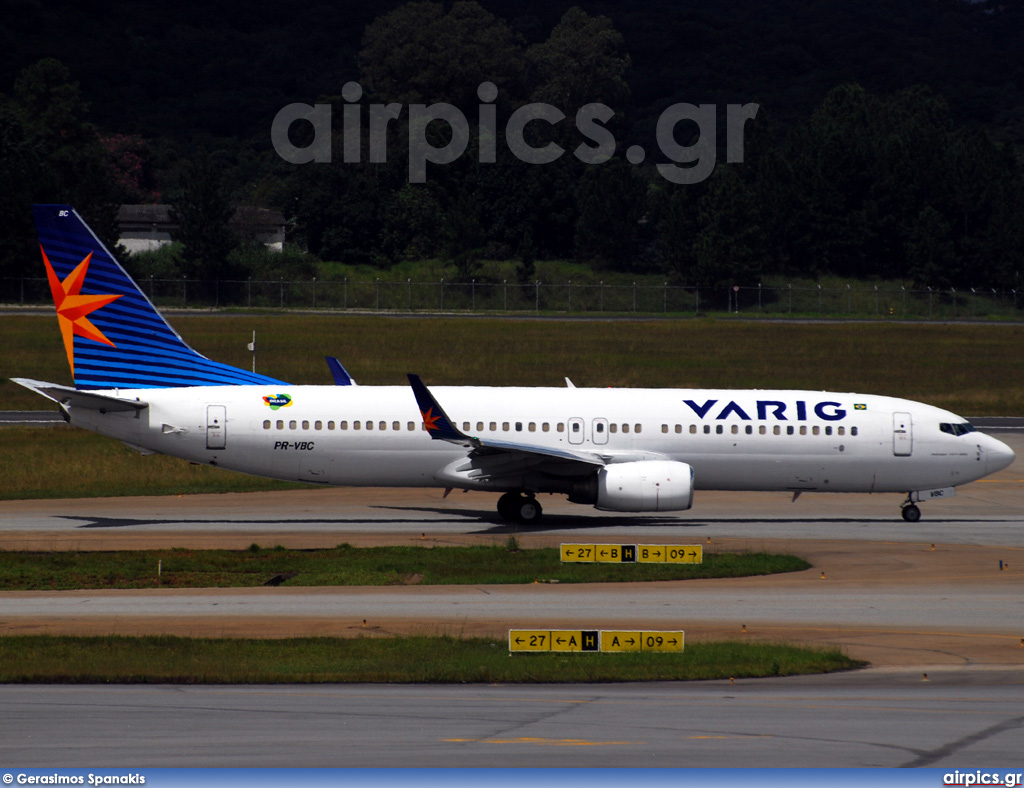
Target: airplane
622 450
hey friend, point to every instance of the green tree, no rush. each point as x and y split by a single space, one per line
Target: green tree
201 214
420 54
463 236
729 248
931 253
411 220
26 179
583 60
612 207
54 113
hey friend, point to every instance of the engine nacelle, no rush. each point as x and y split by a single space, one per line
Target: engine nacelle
646 486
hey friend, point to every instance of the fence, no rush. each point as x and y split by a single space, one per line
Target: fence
567 297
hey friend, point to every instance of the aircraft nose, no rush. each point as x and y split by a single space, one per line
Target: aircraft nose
998 455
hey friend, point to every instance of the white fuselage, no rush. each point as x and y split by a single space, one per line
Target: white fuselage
733 439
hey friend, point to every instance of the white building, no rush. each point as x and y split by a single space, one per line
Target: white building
144 228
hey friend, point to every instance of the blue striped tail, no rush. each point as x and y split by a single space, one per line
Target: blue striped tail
113 335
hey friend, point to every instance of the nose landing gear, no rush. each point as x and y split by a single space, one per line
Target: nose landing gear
911 513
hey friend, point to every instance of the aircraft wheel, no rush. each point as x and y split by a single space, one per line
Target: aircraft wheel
529 511
911 513
508 506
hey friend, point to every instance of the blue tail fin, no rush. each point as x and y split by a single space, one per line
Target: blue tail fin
113 335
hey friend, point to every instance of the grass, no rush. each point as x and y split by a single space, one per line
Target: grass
973 369
58 462
350 566
444 659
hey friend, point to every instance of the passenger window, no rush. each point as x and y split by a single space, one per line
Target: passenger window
494 426
519 427
356 425
750 430
293 425
479 426
625 428
679 429
815 430
664 428
369 425
266 424
707 429
840 430
280 425
305 425
396 426
776 430
638 428
789 430
735 429
853 430
600 428
693 429
803 430
532 426
504 426
342 425
545 427
318 425
762 430
828 430
412 426
613 427
465 426
561 427
718 429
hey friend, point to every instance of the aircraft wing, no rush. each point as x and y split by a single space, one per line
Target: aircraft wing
86 400
497 457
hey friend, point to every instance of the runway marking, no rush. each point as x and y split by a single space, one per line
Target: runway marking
546 742
737 736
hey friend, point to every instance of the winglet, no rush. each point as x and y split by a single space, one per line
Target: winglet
340 374
438 425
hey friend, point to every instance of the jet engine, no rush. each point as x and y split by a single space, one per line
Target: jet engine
646 486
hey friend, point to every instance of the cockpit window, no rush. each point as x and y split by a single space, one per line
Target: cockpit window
957 429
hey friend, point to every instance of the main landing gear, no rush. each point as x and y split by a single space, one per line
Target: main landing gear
520 508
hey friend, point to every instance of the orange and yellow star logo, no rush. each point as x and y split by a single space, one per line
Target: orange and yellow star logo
429 419
72 307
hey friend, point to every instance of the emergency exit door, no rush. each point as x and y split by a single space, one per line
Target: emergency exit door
902 435
216 426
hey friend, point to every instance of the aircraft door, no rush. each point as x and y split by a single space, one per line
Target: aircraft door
576 430
216 426
599 429
902 435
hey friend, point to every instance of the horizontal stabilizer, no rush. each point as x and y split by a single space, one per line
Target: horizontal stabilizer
339 373
86 400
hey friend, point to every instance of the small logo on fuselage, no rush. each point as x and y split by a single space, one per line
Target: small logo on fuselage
276 401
